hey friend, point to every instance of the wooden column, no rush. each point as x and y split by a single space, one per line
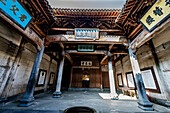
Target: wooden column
113 93
28 96
48 76
58 93
143 101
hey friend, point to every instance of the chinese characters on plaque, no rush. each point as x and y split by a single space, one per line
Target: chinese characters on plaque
15 11
86 48
86 63
87 33
156 14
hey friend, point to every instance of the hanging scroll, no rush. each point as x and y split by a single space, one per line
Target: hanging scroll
130 80
86 33
120 80
41 77
51 81
149 79
14 10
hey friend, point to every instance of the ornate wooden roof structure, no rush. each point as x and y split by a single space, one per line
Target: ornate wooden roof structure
64 12
113 22
128 18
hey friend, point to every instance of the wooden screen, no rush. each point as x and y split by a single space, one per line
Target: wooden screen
77 78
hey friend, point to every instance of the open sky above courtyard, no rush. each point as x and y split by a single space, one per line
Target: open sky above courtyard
87 4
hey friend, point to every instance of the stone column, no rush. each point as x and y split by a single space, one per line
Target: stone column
57 93
48 76
28 96
113 93
143 101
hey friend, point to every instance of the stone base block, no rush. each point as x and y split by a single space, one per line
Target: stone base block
25 102
57 94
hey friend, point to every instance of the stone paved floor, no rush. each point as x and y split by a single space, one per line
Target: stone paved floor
45 103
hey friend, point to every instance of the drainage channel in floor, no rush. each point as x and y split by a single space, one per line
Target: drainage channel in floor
80 110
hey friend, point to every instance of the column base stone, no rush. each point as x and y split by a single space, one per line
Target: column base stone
57 94
167 104
25 102
147 106
114 96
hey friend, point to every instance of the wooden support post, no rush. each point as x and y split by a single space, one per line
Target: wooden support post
28 96
143 101
69 58
48 76
71 77
110 47
113 93
104 58
57 93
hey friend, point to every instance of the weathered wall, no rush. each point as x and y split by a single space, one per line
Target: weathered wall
146 59
9 42
23 71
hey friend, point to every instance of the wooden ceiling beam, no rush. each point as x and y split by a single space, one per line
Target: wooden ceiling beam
104 58
62 15
70 29
69 58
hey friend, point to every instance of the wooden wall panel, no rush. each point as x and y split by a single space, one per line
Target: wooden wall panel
105 80
94 78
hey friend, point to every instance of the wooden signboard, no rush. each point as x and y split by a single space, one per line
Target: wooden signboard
156 14
14 10
86 63
83 33
86 48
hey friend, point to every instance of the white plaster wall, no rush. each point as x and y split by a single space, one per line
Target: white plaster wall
25 68
7 53
7 56
162 45
146 59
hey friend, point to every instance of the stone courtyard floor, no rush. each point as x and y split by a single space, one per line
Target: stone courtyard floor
45 103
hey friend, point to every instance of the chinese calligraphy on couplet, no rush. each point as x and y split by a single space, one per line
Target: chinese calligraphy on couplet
156 14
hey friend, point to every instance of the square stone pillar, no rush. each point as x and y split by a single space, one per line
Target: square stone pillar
28 96
57 93
113 93
143 101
